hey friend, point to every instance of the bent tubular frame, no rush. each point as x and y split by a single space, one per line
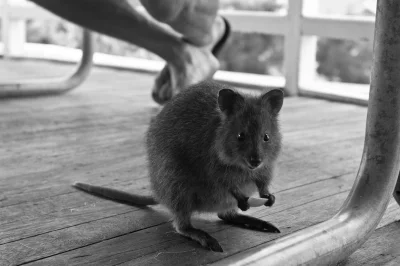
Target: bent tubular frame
332 241
42 87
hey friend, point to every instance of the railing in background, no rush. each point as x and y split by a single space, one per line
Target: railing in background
300 25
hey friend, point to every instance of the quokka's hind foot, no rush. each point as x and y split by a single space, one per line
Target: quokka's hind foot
202 238
250 222
184 227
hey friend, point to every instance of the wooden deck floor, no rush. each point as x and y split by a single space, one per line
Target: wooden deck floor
95 134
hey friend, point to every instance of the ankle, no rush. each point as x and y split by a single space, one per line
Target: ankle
200 39
194 55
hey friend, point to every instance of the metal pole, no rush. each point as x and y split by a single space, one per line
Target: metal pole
332 241
33 88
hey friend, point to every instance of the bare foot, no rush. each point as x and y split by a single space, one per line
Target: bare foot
198 64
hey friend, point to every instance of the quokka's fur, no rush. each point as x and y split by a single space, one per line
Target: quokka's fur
198 162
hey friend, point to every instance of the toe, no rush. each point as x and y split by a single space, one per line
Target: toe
213 244
162 90
163 76
162 94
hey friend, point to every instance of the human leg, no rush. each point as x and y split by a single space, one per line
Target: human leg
196 20
187 64
198 23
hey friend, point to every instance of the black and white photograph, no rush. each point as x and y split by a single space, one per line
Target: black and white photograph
199 132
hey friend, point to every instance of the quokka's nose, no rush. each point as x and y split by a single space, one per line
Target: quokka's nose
255 161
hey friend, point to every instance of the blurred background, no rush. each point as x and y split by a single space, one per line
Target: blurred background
337 60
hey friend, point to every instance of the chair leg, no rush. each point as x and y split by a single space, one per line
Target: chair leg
43 87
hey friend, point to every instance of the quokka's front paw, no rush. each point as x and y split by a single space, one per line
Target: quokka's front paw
271 199
243 204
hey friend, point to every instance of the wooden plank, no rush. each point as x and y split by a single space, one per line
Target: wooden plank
293 220
51 183
71 237
303 195
71 210
102 113
159 246
92 159
54 164
125 129
333 133
66 149
294 117
322 162
394 262
382 248
37 207
288 136
61 192
100 168
336 91
138 184
289 123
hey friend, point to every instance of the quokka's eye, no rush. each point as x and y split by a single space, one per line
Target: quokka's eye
240 136
266 137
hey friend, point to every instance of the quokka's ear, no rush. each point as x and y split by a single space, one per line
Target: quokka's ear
273 100
228 100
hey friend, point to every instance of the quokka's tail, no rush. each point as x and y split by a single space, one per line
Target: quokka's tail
117 195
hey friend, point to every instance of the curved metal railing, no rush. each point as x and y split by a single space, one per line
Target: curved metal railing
42 87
